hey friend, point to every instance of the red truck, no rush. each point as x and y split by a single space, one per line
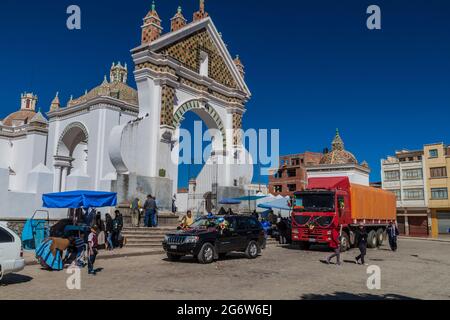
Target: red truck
334 202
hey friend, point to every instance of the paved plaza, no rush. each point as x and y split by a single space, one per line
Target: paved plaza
420 270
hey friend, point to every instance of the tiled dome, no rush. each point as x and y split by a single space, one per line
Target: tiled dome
20 117
338 154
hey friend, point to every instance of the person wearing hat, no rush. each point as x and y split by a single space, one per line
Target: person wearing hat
362 244
93 244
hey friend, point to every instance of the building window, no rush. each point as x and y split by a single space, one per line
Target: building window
292 187
412 174
392 175
413 194
434 153
278 188
440 172
295 162
439 194
292 173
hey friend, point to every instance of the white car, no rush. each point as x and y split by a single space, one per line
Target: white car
11 253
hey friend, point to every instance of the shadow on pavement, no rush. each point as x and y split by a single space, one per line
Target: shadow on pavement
316 248
14 278
353 296
228 257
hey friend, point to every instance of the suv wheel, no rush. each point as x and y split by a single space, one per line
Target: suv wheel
252 250
206 254
173 257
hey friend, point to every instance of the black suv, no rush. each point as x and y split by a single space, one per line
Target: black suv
209 239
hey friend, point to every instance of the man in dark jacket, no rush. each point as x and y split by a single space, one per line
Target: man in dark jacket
393 233
117 228
362 244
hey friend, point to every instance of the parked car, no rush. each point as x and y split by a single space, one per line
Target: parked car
209 239
11 253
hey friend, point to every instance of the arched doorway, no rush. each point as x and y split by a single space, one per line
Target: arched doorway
71 154
206 174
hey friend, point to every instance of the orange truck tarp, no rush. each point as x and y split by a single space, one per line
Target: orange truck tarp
372 203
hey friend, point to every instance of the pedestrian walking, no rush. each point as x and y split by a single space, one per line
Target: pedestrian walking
392 231
93 244
136 212
150 211
362 244
335 244
109 229
117 228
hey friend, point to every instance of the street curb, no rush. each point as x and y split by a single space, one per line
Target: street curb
110 257
424 239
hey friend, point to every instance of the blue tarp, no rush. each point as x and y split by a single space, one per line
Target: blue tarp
79 199
276 204
249 198
229 201
34 232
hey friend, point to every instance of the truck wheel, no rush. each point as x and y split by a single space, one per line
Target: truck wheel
173 257
380 237
252 250
345 242
372 239
206 254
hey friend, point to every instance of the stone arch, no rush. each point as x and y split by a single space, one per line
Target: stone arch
206 112
73 134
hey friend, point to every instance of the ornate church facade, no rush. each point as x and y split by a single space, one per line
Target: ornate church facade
117 138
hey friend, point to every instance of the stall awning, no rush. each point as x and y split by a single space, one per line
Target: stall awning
227 201
250 198
79 199
276 204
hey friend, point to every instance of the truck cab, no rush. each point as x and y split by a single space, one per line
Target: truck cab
315 213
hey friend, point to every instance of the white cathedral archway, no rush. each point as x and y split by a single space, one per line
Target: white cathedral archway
71 153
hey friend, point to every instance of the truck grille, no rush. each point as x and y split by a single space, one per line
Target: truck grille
176 240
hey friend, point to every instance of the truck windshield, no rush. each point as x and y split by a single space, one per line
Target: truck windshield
314 202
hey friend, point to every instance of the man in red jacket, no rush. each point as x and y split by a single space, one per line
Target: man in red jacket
335 244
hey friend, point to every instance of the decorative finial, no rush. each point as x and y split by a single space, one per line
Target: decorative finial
202 5
179 9
153 5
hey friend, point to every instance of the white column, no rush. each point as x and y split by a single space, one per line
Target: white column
57 179
64 178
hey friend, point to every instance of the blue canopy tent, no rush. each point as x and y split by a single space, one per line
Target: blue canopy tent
70 200
79 199
227 201
280 204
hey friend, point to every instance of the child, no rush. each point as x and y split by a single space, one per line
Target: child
93 244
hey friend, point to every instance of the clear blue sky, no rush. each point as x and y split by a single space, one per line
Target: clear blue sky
312 66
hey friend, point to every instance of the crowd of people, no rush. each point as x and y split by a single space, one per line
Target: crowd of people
100 234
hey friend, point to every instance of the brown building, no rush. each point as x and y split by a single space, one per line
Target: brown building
291 176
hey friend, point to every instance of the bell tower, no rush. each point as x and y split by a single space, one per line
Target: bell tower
151 30
28 101
201 13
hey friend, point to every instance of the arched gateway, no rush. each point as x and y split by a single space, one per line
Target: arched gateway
188 69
